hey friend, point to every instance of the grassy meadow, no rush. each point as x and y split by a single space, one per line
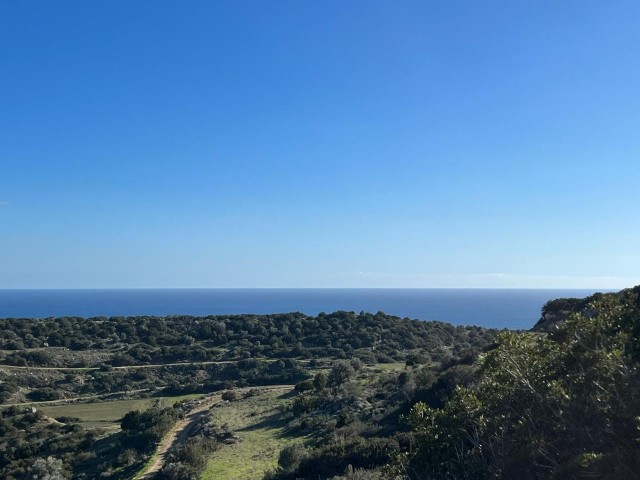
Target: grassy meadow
108 413
258 421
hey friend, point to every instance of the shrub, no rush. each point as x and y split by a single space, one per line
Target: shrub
291 456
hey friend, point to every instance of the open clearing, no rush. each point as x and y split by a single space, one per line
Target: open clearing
389 367
110 412
258 421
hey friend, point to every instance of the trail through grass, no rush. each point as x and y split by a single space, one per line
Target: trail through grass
258 421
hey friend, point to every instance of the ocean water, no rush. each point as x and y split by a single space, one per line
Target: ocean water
496 308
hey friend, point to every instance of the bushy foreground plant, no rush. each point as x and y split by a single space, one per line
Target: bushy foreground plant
563 405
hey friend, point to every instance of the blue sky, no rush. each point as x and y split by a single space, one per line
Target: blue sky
319 144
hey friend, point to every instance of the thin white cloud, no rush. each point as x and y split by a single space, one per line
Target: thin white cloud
3 203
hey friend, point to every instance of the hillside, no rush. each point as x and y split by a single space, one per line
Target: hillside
339 396
561 405
81 371
556 311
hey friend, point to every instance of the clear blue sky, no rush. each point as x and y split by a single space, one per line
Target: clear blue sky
319 144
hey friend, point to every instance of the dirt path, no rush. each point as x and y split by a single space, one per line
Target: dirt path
124 367
155 365
182 429
178 434
60 401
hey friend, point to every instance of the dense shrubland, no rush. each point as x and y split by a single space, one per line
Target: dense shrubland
34 385
26 435
562 405
353 417
251 350
152 340
562 401
34 446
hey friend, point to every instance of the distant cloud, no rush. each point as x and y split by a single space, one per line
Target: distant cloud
3 203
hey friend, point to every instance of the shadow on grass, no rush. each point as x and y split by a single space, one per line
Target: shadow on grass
277 420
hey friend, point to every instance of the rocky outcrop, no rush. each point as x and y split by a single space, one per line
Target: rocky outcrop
557 311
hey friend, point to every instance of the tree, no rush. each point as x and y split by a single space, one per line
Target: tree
320 381
341 372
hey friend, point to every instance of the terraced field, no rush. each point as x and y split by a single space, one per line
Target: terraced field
107 413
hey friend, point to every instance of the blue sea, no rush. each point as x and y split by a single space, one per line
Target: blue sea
496 308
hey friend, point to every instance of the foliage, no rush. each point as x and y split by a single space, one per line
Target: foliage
143 430
333 459
49 468
183 354
291 456
33 445
361 474
189 459
354 423
153 340
340 373
562 405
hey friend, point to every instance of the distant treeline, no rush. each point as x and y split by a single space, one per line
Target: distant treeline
147 340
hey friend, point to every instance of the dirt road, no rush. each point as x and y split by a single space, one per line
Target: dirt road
182 429
178 434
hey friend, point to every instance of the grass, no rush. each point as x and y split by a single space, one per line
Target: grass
108 412
390 367
257 420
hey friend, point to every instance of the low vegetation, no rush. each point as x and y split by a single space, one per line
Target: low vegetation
256 435
360 397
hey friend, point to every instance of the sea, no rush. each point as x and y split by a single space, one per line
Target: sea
492 308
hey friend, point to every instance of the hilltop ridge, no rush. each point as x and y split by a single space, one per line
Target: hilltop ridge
558 310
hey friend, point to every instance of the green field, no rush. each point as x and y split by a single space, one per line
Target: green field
107 413
257 421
